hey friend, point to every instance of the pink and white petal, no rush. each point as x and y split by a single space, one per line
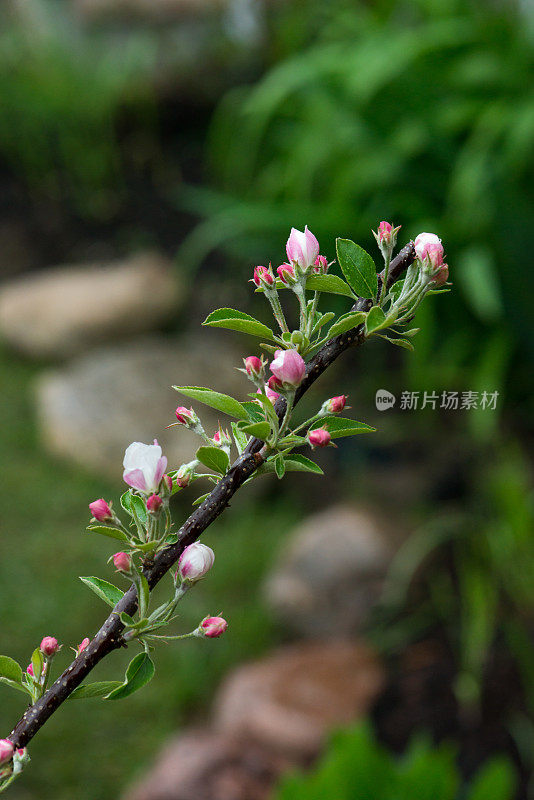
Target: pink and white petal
135 478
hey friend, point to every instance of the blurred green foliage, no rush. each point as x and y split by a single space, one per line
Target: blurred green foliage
63 93
356 767
418 112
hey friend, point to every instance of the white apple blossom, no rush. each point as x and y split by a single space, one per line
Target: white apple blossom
144 466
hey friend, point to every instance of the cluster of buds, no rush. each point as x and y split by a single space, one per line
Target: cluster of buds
264 278
386 239
430 252
222 439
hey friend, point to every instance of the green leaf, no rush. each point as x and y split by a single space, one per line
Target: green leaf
261 430
346 322
240 438
106 591
213 458
139 672
376 319
112 533
238 321
322 319
332 284
293 463
399 342
279 466
340 426
139 509
144 595
10 669
358 267
37 662
127 620
200 499
221 402
253 410
495 780
14 685
90 690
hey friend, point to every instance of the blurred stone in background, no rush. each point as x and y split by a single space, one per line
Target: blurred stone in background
67 310
269 715
90 410
330 574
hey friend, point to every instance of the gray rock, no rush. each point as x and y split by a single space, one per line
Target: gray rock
67 310
290 701
330 575
91 410
201 765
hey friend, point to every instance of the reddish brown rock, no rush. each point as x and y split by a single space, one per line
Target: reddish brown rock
200 765
290 701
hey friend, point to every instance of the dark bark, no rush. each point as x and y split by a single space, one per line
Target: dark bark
109 637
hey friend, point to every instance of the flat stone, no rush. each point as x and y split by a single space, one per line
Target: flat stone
66 310
290 701
92 409
330 575
202 765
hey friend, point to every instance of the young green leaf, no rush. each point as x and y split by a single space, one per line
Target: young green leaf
399 342
139 509
112 533
332 284
106 591
144 595
339 426
238 321
253 410
139 672
221 402
21 687
321 320
200 499
376 320
127 620
346 322
279 466
261 430
240 438
213 458
90 690
10 669
358 267
37 662
293 463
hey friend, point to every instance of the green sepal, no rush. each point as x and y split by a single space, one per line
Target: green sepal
213 458
139 672
358 268
217 400
106 591
238 321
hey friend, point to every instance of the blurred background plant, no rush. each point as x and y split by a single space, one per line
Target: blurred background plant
204 131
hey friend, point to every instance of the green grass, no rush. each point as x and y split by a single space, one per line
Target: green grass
92 748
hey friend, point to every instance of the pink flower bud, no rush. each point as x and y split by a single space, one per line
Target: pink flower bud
321 265
289 367
184 475
154 503
336 404
123 562
263 277
254 367
101 510
167 480
302 248
319 437
386 237
213 627
186 416
196 560
6 750
422 243
83 644
49 646
271 393
286 273
29 670
442 275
